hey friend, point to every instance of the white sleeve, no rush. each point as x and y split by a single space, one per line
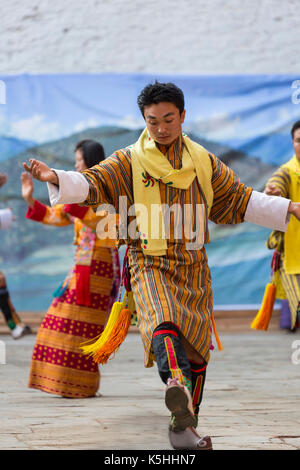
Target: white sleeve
73 188
268 211
6 218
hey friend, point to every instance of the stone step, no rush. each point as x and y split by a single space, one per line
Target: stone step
226 320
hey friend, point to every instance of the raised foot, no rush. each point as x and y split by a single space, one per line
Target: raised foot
179 401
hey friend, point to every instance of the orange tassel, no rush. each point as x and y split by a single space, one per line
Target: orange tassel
108 342
263 317
116 338
220 345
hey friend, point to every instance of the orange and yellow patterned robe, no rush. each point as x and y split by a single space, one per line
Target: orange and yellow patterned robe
79 311
177 287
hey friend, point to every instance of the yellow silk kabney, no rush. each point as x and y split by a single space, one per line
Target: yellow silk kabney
292 235
149 167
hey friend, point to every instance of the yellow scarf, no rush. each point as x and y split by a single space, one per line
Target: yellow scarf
149 167
292 235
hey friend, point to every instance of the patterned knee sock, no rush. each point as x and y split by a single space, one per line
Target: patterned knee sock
170 355
198 379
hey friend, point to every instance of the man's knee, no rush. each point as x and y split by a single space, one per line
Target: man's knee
165 328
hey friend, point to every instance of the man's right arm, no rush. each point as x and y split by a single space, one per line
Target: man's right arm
101 184
64 186
71 188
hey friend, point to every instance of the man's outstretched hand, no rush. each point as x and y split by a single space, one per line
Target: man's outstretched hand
40 171
272 190
294 208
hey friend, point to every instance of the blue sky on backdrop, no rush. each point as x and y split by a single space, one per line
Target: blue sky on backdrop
251 113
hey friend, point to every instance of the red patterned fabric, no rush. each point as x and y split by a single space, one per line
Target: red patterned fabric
78 311
74 327
83 296
75 210
61 357
37 213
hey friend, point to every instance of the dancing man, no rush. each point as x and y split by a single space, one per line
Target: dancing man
286 260
165 172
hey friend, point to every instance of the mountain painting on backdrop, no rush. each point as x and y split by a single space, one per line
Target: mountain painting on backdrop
245 120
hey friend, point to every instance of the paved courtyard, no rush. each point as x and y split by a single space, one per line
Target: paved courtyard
251 399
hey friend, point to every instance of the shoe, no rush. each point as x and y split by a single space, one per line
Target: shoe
189 440
20 330
179 401
27 330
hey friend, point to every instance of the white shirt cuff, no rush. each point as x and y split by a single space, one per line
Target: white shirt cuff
73 188
268 211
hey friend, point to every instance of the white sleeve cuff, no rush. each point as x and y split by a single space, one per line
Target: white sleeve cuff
6 218
73 188
268 211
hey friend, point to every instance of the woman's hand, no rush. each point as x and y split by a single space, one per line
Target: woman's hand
27 188
3 179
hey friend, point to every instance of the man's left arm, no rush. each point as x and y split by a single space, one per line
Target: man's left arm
271 211
235 203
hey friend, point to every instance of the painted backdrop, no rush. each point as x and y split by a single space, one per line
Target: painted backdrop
244 120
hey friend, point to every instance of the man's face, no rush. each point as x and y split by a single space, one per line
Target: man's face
163 122
296 143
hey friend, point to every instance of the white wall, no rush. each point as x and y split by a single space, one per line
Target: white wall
166 36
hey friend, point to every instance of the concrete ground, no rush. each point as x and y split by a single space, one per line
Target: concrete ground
251 399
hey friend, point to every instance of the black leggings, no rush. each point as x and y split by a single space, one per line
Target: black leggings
5 307
172 362
170 355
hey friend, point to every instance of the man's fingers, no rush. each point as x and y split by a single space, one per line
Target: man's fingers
32 162
33 169
271 190
27 168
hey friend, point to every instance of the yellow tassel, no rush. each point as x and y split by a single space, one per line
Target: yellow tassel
219 344
263 317
113 335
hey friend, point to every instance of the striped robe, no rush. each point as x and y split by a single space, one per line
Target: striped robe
177 287
288 285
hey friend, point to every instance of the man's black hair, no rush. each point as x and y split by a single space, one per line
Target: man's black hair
295 127
92 152
160 92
